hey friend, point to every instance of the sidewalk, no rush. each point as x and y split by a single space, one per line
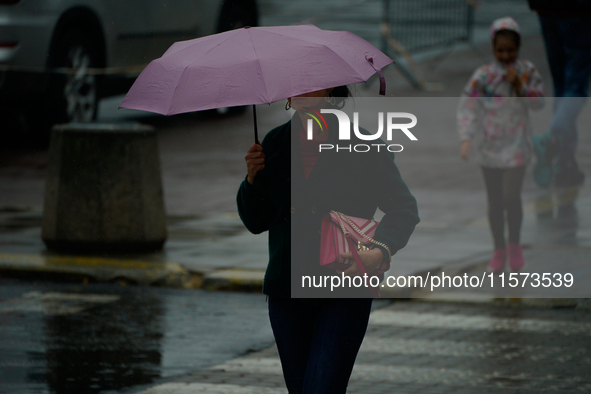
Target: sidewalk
219 254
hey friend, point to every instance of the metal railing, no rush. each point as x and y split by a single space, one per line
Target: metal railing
400 28
425 24
416 25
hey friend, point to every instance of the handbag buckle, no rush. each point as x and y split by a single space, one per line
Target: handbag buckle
362 246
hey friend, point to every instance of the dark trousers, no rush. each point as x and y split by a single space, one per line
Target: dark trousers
318 341
568 48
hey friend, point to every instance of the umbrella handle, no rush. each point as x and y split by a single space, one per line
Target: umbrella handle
256 129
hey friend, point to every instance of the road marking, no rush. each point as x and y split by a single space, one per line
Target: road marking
377 354
484 323
480 349
192 388
266 368
55 304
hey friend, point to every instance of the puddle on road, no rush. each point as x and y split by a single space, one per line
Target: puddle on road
108 338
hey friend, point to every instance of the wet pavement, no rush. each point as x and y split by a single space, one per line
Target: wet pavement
417 347
472 342
104 338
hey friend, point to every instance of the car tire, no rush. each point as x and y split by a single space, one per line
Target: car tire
72 93
74 90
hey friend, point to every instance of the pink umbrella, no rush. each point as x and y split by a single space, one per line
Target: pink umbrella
257 65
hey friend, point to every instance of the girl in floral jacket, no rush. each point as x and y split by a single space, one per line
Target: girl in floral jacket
494 108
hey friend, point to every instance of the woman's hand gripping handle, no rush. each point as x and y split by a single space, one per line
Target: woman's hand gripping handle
255 161
371 260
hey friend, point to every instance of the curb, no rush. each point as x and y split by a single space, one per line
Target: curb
234 280
87 269
96 269
453 268
127 271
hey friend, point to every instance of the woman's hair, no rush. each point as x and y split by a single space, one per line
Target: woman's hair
340 93
510 34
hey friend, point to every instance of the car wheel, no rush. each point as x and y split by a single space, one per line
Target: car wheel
74 88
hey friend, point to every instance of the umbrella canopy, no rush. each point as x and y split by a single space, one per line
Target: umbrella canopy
257 65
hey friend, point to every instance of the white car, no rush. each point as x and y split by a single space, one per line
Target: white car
59 57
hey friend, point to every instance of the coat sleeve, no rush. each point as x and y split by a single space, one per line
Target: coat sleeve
254 207
398 204
532 87
254 203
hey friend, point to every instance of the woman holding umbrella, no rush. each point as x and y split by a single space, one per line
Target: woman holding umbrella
289 187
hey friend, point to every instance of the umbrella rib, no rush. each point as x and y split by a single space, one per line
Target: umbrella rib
348 65
258 63
181 74
361 77
170 111
188 49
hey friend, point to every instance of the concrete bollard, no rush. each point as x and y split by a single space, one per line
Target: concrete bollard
103 190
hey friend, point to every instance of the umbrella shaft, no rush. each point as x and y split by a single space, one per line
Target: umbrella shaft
256 129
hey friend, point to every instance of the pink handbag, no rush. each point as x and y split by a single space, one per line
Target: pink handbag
340 234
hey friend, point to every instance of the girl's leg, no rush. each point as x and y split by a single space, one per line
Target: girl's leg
512 185
339 330
292 321
493 179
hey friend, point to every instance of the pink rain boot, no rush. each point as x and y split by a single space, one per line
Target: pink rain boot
497 263
516 261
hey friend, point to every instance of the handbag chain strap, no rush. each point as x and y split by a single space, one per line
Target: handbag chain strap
354 227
